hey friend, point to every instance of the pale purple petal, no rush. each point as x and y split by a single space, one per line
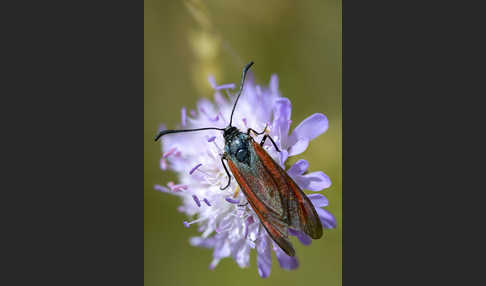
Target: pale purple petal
298 168
299 147
318 200
212 82
220 100
264 256
281 122
274 83
161 128
311 127
163 164
225 86
225 224
327 219
206 107
284 155
222 247
214 263
248 222
206 113
241 253
202 242
315 181
170 152
162 189
183 116
177 188
303 238
285 261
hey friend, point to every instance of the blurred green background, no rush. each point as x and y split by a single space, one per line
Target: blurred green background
300 41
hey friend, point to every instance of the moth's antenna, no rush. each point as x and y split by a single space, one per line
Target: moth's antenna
243 76
164 132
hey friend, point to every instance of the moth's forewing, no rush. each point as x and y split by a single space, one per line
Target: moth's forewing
301 212
274 196
261 189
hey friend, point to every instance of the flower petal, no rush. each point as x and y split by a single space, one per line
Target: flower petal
183 117
220 101
281 122
299 147
225 86
264 256
212 82
315 181
214 263
284 155
222 246
318 200
225 224
274 83
163 189
285 261
241 253
202 242
327 219
311 127
303 238
298 168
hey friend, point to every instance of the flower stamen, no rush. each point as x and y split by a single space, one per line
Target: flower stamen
196 200
207 202
232 201
170 152
236 191
188 224
195 168
177 188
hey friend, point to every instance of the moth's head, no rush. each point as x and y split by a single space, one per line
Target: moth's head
230 132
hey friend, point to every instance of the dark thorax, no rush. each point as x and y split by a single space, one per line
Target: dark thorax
237 145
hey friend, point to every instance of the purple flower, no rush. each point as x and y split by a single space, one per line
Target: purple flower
228 225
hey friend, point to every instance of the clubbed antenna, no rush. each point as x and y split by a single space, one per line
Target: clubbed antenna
243 76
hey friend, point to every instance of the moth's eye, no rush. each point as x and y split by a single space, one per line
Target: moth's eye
241 154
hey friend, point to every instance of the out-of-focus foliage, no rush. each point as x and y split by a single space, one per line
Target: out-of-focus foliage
300 41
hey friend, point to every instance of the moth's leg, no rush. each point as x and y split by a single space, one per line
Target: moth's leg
273 142
257 133
243 205
227 173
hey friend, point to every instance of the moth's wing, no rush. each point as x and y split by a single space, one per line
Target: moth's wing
261 191
301 212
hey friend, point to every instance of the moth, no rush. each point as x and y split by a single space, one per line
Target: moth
276 199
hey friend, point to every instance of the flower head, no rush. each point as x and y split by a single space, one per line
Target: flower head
228 225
